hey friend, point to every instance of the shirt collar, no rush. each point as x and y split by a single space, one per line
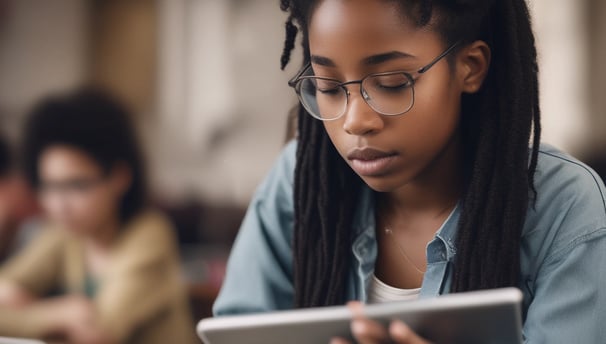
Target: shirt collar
448 231
364 221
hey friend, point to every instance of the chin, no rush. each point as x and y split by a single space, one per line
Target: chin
382 184
72 227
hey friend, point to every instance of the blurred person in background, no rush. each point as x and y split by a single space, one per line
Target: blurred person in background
18 206
113 261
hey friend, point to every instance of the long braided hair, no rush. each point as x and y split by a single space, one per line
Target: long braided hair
496 123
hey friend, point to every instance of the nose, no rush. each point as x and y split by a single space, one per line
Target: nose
360 118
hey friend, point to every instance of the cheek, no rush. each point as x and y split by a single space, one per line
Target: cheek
89 205
434 116
52 206
337 135
99 205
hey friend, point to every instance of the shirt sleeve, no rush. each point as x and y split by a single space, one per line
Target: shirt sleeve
565 252
23 323
259 269
143 281
37 268
569 304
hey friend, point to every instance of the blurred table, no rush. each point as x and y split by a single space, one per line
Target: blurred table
203 269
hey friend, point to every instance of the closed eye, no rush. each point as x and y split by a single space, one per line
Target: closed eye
327 87
389 83
329 91
396 87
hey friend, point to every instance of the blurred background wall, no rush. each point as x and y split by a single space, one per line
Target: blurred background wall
43 47
595 14
222 99
203 78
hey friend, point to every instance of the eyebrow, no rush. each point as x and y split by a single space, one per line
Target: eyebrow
368 61
322 61
381 58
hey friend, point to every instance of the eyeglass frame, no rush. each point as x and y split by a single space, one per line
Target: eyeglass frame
413 77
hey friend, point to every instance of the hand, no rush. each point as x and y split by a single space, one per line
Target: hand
80 321
367 331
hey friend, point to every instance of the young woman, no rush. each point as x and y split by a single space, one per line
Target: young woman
411 175
110 262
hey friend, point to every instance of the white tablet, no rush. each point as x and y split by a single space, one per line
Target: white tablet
492 316
7 340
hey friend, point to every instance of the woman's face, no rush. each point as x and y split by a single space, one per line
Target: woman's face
76 193
344 36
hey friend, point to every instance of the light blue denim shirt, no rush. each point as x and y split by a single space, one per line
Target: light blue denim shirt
563 252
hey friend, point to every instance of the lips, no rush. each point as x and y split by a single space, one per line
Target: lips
370 161
368 154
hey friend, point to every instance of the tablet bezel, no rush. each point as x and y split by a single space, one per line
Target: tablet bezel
504 300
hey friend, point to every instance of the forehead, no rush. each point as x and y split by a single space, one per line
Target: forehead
64 160
362 26
362 12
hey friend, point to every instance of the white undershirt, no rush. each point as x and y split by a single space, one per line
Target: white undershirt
379 292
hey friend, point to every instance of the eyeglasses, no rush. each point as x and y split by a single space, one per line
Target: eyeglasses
72 189
390 93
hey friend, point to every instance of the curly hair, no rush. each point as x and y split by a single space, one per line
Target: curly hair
94 122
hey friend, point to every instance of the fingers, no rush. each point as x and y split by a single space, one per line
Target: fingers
402 334
366 331
356 308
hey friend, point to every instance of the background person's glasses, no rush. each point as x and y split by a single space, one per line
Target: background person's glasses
76 188
390 93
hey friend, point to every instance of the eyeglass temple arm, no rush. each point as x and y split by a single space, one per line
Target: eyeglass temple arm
437 59
292 82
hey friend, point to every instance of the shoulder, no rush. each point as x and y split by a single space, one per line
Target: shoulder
261 257
49 237
564 184
283 169
145 236
148 224
46 248
269 218
270 215
570 206
558 171
274 196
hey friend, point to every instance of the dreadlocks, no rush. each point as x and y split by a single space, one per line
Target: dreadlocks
496 126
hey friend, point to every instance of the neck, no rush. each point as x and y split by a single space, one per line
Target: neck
104 236
436 190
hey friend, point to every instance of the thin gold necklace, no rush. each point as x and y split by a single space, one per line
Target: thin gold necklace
389 232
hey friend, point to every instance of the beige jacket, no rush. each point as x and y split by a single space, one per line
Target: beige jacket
141 298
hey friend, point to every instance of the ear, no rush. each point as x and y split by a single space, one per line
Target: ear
120 178
474 60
